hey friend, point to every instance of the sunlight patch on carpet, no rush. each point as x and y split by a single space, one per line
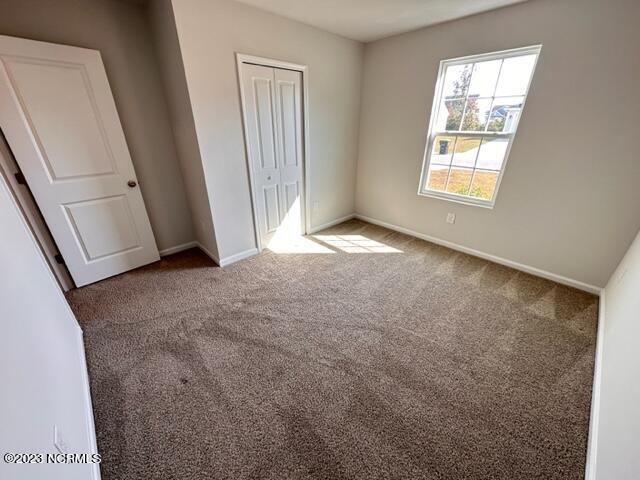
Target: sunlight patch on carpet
355 244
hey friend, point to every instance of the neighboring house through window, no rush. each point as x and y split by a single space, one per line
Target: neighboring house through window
476 110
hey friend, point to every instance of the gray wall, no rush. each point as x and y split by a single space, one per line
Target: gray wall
121 32
569 202
617 414
210 32
174 81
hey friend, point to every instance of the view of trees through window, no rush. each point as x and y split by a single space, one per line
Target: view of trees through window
478 110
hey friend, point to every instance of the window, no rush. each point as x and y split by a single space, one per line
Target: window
476 109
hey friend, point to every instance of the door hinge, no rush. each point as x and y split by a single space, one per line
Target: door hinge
20 178
59 259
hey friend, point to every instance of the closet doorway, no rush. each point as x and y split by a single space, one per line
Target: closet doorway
273 103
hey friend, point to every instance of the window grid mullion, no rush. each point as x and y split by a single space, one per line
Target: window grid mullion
446 185
486 126
466 97
511 96
493 99
464 112
470 133
473 174
485 97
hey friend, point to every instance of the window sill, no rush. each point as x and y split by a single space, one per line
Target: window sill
451 197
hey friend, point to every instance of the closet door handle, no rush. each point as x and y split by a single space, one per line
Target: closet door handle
132 183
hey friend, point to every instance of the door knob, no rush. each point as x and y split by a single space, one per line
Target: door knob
269 177
132 183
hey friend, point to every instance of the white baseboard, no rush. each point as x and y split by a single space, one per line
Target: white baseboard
476 253
331 223
177 248
208 253
594 421
226 261
91 428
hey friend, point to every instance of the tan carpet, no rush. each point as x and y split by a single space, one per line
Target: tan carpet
419 364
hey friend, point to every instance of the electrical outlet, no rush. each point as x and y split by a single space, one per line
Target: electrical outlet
58 441
316 206
451 218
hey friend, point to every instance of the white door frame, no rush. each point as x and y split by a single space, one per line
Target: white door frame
306 171
32 216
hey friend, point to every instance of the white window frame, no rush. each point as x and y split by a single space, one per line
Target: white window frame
437 102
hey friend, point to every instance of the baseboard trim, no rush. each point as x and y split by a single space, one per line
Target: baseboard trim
594 420
226 261
331 223
208 253
177 248
476 253
90 422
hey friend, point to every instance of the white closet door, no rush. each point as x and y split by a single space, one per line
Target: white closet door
273 115
60 119
289 130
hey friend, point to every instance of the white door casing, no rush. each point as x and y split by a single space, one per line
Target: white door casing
272 103
32 215
59 117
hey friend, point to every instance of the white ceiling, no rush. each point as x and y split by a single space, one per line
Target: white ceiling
367 20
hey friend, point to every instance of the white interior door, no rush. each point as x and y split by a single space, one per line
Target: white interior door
273 115
60 119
